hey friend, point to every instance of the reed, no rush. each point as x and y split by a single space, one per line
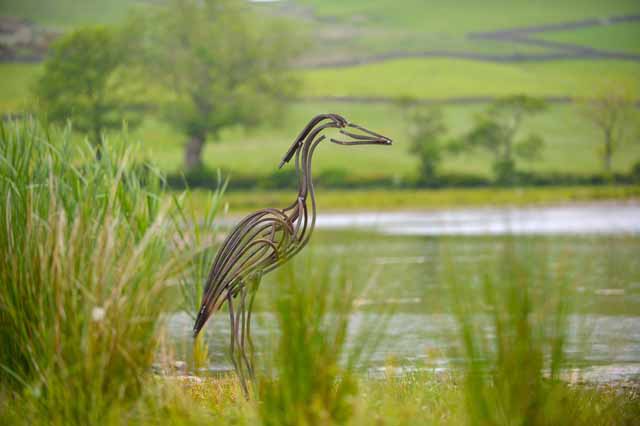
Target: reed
87 251
311 378
513 322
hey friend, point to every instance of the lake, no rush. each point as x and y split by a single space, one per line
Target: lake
403 261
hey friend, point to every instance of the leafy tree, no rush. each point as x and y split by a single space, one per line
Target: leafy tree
426 131
612 112
496 131
221 65
86 80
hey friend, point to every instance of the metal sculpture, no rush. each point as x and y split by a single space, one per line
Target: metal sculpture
267 238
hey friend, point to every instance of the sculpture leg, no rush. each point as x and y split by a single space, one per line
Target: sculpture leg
253 289
244 330
232 346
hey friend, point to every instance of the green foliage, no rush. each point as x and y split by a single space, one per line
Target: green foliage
513 327
197 228
86 258
87 80
222 64
421 397
612 112
310 379
90 249
426 130
496 129
526 315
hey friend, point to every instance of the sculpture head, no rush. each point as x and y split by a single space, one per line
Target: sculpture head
351 134
358 135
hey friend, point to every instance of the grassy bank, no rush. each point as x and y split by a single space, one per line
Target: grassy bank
418 398
424 199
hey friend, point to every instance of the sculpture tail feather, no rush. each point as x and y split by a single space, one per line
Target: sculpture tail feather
207 309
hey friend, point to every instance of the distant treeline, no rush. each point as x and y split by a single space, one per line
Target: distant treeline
342 179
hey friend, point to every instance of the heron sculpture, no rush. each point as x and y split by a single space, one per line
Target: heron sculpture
267 238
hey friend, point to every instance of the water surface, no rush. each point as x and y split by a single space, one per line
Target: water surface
570 219
405 260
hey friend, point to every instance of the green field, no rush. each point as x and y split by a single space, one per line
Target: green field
68 13
571 143
420 78
459 17
445 78
15 86
619 37
360 28
438 16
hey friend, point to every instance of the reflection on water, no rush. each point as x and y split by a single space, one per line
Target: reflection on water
407 264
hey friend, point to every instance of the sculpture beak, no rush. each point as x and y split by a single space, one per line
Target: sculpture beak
358 135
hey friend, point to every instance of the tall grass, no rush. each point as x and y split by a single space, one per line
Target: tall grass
198 228
86 254
513 331
508 342
311 377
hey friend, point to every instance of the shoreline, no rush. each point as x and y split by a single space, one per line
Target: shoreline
236 203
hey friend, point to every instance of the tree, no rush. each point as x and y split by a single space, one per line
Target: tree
426 130
86 80
612 112
496 131
221 65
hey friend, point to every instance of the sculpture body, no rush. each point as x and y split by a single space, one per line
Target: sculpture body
267 238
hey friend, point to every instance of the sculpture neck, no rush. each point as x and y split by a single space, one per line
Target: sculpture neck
304 157
305 171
